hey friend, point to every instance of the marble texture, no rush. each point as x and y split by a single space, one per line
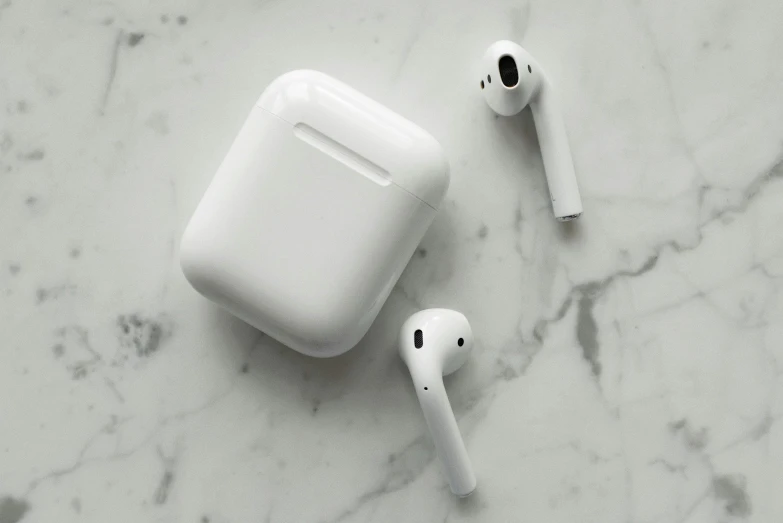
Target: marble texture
627 368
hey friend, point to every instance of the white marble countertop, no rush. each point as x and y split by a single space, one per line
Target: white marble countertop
627 368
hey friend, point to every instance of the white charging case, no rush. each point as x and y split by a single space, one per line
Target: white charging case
314 213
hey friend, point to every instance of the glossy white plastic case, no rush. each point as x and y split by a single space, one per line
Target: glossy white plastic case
314 213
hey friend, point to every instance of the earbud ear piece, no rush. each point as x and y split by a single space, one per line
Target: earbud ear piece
449 340
519 89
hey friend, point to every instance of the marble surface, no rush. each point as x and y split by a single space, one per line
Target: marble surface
627 368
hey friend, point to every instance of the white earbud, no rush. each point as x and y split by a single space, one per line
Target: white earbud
512 79
434 343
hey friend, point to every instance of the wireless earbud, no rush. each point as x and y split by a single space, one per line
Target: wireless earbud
512 79
434 343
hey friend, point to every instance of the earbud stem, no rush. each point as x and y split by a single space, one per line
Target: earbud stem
556 153
443 427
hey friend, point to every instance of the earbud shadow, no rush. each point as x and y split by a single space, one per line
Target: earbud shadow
518 147
471 505
571 230
519 134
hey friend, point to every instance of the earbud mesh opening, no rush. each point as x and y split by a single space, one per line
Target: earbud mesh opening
508 71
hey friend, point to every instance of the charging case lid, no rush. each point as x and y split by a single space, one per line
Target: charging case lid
314 213
399 151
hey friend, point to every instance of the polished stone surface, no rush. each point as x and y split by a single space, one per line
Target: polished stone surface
627 366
